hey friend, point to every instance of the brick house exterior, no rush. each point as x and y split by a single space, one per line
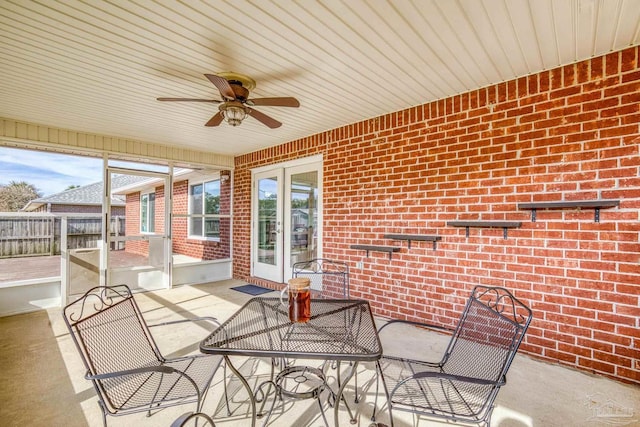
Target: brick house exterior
182 244
570 133
83 199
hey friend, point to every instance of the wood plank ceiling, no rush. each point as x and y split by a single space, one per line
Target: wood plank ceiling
98 66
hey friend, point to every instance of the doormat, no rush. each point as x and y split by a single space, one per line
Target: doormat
252 289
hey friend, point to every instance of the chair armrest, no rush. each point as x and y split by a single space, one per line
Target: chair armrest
391 331
194 319
147 369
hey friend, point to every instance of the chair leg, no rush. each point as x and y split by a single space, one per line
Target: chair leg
375 401
486 422
104 413
324 417
226 394
341 387
384 386
274 362
265 396
356 399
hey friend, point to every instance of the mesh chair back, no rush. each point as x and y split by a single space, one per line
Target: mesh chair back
488 335
329 279
111 335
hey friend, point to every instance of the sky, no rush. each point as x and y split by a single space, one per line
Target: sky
50 173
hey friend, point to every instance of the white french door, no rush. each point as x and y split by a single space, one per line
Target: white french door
287 217
267 220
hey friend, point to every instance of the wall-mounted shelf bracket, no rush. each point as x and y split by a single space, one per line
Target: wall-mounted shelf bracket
505 225
389 249
416 237
595 204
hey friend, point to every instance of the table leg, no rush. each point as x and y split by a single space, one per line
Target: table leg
247 387
340 397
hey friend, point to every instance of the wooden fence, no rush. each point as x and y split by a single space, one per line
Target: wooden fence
27 234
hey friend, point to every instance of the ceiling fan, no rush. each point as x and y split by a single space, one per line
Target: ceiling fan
235 105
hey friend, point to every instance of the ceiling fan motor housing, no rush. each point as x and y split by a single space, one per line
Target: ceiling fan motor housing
240 91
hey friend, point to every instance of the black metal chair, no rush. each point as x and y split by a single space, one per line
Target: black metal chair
329 279
463 385
123 361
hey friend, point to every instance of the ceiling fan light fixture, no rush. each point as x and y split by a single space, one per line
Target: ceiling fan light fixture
233 113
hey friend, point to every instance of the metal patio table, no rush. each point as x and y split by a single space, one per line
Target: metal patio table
340 330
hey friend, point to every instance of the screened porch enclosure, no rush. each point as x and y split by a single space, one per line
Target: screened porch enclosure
48 257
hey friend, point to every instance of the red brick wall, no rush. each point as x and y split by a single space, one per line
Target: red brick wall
570 133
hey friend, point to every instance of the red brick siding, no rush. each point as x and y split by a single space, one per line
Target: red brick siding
570 133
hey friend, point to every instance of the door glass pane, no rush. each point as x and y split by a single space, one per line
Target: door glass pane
304 216
267 217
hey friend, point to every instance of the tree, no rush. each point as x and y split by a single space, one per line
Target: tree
71 187
15 195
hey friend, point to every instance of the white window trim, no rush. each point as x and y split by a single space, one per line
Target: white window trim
202 181
142 194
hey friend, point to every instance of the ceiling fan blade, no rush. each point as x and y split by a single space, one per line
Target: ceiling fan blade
189 100
276 102
261 117
223 86
215 120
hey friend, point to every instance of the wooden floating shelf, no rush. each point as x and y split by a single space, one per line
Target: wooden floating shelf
595 204
505 225
415 237
368 248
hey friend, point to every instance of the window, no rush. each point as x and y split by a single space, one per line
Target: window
204 209
148 212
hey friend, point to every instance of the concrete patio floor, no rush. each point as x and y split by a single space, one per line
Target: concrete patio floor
43 385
